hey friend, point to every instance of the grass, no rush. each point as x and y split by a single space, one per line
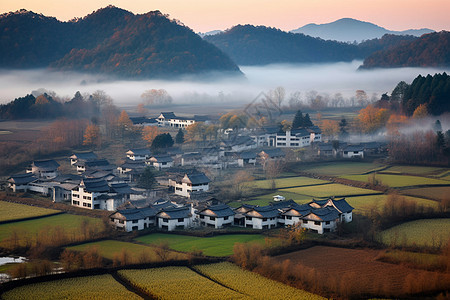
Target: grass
221 245
415 259
287 182
90 287
363 204
341 168
13 211
424 233
70 223
252 284
178 283
329 190
395 181
436 193
417 170
111 248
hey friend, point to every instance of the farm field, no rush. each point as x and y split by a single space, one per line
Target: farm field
178 283
110 248
329 190
91 287
429 232
359 268
365 203
221 245
250 283
70 223
438 193
13 211
288 182
416 170
341 168
395 181
421 260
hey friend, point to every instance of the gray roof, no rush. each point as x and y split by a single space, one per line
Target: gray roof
277 152
96 185
342 205
67 178
192 155
22 178
168 115
283 204
354 148
162 158
198 178
314 129
176 213
300 132
46 165
220 210
326 147
84 156
247 155
266 211
141 151
122 188
93 163
328 213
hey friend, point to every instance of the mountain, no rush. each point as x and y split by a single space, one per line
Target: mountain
430 50
259 45
212 32
110 40
350 30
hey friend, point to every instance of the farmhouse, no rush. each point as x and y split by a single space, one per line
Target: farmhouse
93 165
168 119
216 216
160 162
20 182
138 154
246 158
82 156
175 218
44 168
189 183
353 151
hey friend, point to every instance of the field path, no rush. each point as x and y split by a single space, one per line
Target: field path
130 287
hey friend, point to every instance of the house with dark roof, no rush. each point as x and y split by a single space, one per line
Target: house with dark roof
160 162
94 165
20 182
144 121
169 119
246 158
134 218
191 159
174 218
44 168
261 217
217 216
131 168
353 151
189 183
138 154
82 156
326 150
294 214
344 209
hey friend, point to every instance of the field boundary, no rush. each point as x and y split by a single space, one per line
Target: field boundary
32 218
129 286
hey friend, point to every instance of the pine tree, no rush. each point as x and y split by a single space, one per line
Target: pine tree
147 179
163 140
437 126
307 121
298 120
179 138
343 128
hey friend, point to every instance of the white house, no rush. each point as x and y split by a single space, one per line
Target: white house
86 193
353 151
321 220
93 165
174 218
246 158
138 154
191 159
82 156
216 216
168 119
193 182
295 138
20 182
44 168
134 219
264 217
160 162
344 209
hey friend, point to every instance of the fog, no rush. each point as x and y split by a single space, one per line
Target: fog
333 78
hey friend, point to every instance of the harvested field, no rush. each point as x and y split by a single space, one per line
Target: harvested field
392 180
360 267
437 193
288 182
417 170
340 168
329 190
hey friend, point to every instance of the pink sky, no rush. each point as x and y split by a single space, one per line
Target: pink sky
206 15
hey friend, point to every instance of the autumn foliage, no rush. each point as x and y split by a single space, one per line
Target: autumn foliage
371 119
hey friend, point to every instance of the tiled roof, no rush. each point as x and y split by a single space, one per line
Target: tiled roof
162 158
95 185
342 205
176 213
84 156
168 115
141 151
198 178
22 178
220 210
277 152
46 165
265 211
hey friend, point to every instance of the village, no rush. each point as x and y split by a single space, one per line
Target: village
181 197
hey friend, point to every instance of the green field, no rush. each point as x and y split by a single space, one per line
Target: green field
328 190
221 245
287 182
13 211
91 287
437 193
365 203
416 170
429 233
70 224
392 180
341 168
252 284
111 248
178 283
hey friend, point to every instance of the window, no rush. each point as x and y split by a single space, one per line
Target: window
355 152
288 218
212 218
165 220
75 202
316 223
225 218
180 219
135 221
89 205
327 222
248 218
202 216
264 219
305 221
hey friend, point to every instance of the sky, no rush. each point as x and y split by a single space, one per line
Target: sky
207 15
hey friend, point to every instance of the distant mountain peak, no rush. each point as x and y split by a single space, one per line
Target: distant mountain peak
350 30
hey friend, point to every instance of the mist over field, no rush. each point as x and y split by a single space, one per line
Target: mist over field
329 79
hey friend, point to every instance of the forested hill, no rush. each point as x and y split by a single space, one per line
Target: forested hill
110 40
259 45
430 50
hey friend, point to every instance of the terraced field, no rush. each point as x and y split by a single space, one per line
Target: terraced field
14 211
288 182
341 168
417 170
329 190
437 193
396 181
365 203
221 245
178 283
91 287
252 284
430 233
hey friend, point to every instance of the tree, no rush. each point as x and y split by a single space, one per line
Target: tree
437 126
149 133
361 97
92 136
141 109
272 170
179 138
343 128
147 179
163 140
156 97
286 125
330 128
372 119
420 112
242 182
277 95
298 120
307 121
124 120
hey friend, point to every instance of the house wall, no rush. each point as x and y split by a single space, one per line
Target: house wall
59 194
258 223
84 199
217 222
321 227
184 190
137 157
347 217
352 154
172 224
131 225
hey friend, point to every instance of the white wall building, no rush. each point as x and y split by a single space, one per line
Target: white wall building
195 182
216 216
